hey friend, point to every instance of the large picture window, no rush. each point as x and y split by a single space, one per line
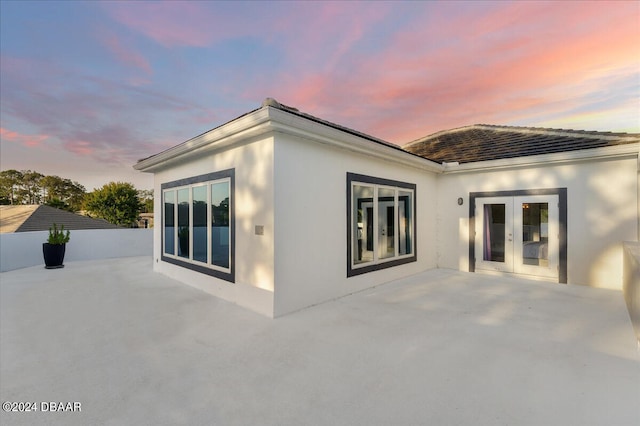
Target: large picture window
198 228
380 222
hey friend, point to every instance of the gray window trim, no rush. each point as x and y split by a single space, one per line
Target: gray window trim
354 177
223 174
562 210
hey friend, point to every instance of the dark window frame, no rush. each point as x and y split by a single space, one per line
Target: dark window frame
365 179
223 174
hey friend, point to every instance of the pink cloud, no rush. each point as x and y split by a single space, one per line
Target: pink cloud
172 23
93 116
493 65
126 54
80 147
26 140
327 31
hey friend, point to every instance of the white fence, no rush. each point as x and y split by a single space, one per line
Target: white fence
24 249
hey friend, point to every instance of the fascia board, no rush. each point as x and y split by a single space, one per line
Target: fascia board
289 124
274 120
611 152
226 135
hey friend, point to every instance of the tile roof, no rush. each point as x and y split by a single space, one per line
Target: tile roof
481 142
25 218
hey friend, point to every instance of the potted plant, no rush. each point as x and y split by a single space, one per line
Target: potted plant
53 250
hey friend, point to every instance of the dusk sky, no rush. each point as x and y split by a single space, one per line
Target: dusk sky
88 88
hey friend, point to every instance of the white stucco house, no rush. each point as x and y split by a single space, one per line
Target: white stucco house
278 210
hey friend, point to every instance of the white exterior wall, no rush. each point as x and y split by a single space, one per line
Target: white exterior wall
254 274
311 222
631 283
602 210
290 178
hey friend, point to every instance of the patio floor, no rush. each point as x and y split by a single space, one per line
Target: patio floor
443 348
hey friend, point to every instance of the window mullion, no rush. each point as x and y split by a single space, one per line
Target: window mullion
230 218
176 225
190 223
163 222
209 230
376 225
396 234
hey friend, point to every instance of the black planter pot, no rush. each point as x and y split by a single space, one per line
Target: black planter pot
53 255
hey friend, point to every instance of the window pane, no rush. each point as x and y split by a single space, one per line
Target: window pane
386 221
169 222
362 205
535 234
220 234
405 222
199 203
494 228
183 222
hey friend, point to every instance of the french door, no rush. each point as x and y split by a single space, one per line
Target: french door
518 235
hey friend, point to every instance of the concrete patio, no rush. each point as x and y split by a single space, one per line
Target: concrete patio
442 348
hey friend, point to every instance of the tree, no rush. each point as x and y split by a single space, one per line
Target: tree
20 187
75 194
31 188
116 202
10 181
146 198
53 187
58 204
62 193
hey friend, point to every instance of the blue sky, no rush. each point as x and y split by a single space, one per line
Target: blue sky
88 88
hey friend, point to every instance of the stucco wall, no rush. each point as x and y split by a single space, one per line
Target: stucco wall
311 228
24 249
631 283
602 203
254 275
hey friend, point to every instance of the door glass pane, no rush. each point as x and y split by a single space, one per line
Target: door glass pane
199 205
535 234
169 222
220 224
494 227
405 222
183 222
362 216
386 221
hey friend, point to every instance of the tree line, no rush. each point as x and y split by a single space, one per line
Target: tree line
119 203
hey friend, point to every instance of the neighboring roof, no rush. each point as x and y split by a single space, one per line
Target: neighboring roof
25 218
482 142
11 217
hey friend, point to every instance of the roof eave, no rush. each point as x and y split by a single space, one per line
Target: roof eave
610 152
272 119
292 124
227 134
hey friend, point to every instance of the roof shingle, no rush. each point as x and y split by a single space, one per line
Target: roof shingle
25 218
482 142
